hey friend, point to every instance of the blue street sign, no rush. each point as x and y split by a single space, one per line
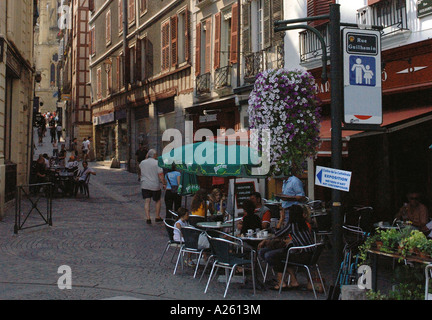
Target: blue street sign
333 178
362 71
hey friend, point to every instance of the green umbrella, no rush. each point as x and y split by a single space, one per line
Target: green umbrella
188 184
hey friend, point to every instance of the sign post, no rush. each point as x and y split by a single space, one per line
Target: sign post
362 77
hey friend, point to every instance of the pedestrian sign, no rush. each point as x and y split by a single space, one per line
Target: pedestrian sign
362 76
362 71
333 178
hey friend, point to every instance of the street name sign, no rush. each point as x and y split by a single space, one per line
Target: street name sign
362 76
333 178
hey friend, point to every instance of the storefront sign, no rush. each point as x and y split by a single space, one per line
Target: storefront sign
362 76
424 8
106 118
208 118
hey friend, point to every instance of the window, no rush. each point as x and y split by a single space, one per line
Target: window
132 62
109 79
52 75
131 11
99 83
92 41
120 15
165 41
181 37
108 27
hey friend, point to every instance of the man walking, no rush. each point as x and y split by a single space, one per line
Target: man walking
151 176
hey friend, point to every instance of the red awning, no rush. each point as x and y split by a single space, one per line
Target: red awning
393 120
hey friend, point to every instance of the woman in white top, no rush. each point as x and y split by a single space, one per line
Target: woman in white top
183 215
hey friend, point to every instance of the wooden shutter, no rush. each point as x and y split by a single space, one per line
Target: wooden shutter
126 75
371 2
267 27
148 58
277 14
108 26
99 83
91 5
187 36
208 41
174 41
120 15
165 46
234 33
317 8
246 39
198 50
138 59
217 43
131 13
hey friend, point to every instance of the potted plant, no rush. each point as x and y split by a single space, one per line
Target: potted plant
412 242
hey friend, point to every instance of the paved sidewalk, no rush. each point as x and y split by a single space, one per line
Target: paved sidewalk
112 252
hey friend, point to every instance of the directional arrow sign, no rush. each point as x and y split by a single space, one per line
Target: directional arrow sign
333 178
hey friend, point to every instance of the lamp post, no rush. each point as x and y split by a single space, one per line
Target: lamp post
336 106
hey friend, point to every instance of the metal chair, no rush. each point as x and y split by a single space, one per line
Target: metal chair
174 214
322 227
428 275
360 216
170 227
225 257
194 219
317 249
190 245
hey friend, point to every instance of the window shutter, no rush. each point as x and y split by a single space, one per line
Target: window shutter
138 59
108 26
208 42
277 10
371 2
131 13
174 41
267 32
99 83
317 8
93 41
120 15
91 5
165 46
198 50
148 58
126 75
246 41
118 66
234 33
217 44
187 36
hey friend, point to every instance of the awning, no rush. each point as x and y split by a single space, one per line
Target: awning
215 103
393 120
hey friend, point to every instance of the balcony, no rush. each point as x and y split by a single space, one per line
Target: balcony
256 62
203 83
223 77
390 14
310 45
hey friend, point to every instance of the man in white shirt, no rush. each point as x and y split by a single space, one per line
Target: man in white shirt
85 148
151 176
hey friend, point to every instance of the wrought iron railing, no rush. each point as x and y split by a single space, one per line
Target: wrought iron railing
390 14
310 45
203 83
222 77
256 62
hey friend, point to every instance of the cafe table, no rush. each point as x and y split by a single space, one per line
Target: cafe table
213 225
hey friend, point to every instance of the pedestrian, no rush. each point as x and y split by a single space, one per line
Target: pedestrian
151 175
141 153
55 149
74 147
59 131
52 133
62 155
82 177
172 198
85 149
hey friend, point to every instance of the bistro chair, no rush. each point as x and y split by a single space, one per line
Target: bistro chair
174 214
317 249
322 227
170 227
190 246
428 276
226 258
359 216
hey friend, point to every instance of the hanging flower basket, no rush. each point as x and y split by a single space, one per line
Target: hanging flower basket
286 103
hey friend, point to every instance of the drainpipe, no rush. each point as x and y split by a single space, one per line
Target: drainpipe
128 110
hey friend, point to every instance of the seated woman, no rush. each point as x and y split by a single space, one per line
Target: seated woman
183 216
216 202
199 204
296 233
250 220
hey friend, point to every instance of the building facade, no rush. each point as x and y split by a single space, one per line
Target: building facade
17 21
47 55
75 91
141 74
385 164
